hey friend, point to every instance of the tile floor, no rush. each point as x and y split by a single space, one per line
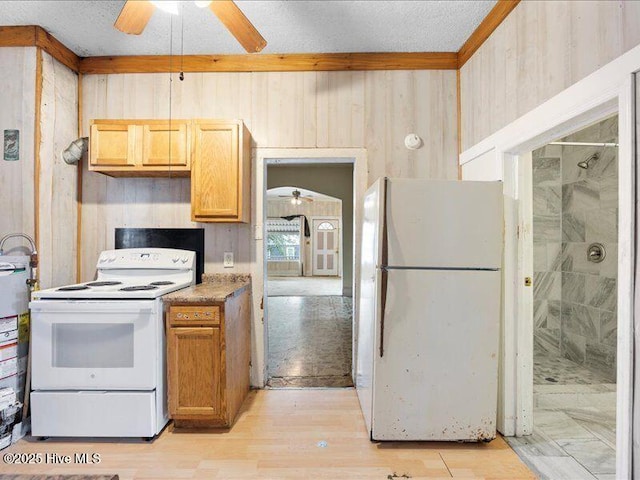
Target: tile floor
309 341
303 286
574 423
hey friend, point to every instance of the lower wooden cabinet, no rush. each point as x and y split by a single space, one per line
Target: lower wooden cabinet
195 369
208 361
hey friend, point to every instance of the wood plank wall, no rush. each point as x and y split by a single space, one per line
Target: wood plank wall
40 187
374 110
57 180
540 49
18 113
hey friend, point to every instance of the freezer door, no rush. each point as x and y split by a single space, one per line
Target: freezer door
437 376
369 293
444 223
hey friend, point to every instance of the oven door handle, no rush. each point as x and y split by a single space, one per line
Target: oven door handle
80 306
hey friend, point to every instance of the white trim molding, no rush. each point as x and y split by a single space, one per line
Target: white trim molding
295 156
605 92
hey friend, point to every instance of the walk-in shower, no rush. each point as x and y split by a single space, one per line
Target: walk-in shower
575 250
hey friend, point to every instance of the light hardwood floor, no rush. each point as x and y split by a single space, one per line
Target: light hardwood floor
280 434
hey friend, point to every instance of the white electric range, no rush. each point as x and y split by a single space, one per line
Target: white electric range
98 348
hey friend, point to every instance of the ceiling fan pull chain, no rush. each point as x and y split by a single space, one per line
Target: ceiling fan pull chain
181 76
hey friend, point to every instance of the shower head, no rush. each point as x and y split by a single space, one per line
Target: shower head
585 163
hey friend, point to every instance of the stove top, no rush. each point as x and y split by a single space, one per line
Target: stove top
136 273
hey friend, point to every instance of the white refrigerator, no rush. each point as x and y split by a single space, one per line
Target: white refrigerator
428 323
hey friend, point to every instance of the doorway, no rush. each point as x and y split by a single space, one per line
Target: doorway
325 246
574 218
310 312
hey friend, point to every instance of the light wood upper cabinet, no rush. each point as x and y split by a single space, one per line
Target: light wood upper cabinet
140 147
160 139
112 146
220 172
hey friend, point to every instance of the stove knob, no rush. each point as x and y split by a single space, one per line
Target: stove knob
184 259
112 258
102 260
175 259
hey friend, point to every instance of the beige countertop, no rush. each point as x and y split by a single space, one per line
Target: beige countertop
214 288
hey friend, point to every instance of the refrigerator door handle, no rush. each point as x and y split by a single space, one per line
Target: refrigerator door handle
385 260
383 306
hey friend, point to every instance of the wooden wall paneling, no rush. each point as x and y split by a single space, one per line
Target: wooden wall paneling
80 169
310 85
322 109
437 112
318 208
37 138
18 113
94 98
340 109
545 47
630 12
401 96
596 36
494 18
285 110
259 109
57 211
375 123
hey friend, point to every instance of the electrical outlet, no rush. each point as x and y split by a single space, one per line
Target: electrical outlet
228 259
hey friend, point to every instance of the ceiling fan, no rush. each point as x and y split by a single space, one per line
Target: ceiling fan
297 198
136 14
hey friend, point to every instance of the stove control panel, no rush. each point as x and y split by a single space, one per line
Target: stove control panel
156 258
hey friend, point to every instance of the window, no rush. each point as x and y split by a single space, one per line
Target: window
325 226
283 240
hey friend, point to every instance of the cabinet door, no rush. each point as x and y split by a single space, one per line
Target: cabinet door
112 145
165 145
215 173
194 368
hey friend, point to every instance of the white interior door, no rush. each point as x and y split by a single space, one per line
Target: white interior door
326 242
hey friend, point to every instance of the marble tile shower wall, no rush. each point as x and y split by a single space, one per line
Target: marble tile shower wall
575 301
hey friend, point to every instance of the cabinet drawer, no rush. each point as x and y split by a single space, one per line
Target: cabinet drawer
194 315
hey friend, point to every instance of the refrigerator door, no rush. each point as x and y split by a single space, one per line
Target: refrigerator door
444 223
369 293
436 378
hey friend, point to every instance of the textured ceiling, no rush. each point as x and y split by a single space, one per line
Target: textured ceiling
289 26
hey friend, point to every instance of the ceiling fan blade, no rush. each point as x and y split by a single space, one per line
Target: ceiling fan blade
134 16
238 24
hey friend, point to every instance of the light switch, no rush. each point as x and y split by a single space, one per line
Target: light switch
228 259
257 232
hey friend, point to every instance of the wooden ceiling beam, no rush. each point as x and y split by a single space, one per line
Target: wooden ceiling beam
493 19
35 36
270 62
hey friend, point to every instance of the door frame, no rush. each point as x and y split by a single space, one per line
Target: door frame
608 90
262 158
340 242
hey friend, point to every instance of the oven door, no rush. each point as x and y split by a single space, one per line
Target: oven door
95 345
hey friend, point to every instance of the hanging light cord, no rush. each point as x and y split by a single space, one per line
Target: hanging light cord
170 83
182 43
